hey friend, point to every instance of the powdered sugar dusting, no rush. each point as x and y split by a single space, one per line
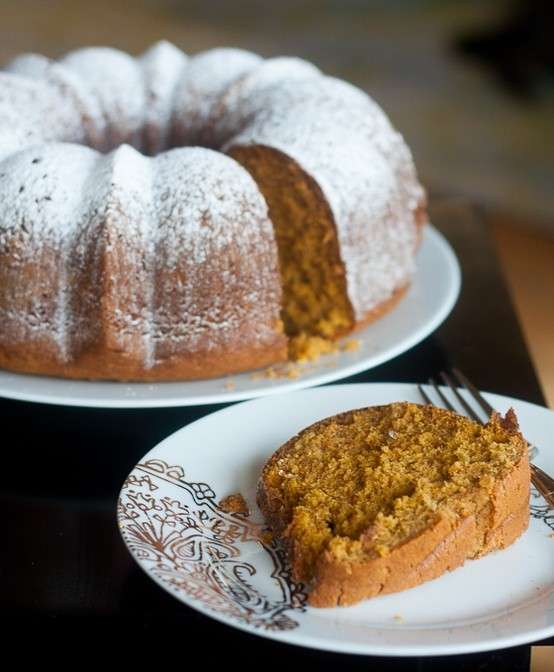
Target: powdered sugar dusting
92 126
216 260
232 114
42 198
34 112
115 79
204 81
111 256
163 66
34 66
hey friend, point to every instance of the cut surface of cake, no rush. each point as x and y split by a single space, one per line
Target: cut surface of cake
126 253
381 499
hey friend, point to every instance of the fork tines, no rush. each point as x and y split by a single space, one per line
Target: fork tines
465 384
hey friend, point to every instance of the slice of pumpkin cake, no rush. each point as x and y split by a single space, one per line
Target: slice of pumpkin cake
381 499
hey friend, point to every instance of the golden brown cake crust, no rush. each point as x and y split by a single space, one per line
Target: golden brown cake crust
382 309
446 543
102 364
437 550
121 296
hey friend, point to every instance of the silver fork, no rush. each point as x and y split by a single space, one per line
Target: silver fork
542 481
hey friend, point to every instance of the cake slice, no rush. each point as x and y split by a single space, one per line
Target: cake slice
381 499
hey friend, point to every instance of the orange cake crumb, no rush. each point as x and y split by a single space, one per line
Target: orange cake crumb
352 345
306 348
234 503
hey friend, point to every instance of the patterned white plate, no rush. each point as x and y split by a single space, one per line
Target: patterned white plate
219 564
429 300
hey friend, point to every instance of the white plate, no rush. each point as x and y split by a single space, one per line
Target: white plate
429 300
212 561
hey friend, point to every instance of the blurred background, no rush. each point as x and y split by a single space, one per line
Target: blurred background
470 84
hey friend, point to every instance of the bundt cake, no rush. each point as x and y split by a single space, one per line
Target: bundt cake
381 499
127 253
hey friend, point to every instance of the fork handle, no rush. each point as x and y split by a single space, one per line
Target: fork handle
544 484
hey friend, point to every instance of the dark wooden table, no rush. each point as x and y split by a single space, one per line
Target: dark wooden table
70 588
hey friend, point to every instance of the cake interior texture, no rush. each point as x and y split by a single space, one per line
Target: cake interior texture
361 485
315 303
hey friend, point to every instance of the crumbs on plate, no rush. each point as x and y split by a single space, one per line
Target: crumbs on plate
351 345
234 503
305 351
290 371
